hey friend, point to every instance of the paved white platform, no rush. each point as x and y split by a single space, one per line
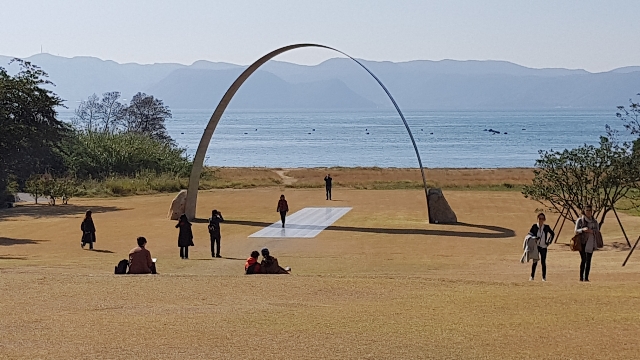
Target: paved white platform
305 223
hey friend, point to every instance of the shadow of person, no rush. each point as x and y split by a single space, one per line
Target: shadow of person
2 257
4 241
101 251
41 211
198 221
496 232
223 257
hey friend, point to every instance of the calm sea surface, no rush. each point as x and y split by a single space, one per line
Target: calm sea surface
446 139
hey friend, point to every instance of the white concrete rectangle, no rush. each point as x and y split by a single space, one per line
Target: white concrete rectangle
305 223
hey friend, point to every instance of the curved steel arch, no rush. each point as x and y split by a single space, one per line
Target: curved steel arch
198 160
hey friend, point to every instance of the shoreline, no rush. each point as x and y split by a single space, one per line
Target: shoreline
360 178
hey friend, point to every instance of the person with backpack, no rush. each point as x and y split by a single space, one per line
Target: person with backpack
543 235
214 231
88 231
185 236
269 264
140 261
327 185
252 266
591 239
282 208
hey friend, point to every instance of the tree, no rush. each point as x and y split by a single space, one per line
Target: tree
112 112
631 116
86 115
97 114
146 115
588 175
68 189
101 155
31 134
35 186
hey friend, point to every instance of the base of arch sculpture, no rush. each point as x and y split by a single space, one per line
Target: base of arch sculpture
439 210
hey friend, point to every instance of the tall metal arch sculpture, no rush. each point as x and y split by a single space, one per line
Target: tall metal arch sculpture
198 160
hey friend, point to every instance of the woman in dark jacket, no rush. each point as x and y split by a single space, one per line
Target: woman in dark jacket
185 237
589 229
544 236
88 231
283 209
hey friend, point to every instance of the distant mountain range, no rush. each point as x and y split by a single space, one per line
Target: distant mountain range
341 84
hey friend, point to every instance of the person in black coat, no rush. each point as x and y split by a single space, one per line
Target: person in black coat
327 185
185 237
88 231
544 235
214 231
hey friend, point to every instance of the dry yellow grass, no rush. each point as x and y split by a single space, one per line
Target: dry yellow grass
380 284
372 178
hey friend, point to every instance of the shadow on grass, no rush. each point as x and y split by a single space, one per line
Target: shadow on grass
224 257
13 257
4 241
41 211
101 251
498 232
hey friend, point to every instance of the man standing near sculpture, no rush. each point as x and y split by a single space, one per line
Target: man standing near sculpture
214 231
327 184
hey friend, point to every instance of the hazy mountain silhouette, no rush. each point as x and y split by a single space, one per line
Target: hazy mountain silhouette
340 83
195 89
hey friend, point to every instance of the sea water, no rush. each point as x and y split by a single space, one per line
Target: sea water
445 139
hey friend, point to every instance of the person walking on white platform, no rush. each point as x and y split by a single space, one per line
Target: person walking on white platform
283 209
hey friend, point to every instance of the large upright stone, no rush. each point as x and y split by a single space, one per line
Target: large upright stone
439 210
178 205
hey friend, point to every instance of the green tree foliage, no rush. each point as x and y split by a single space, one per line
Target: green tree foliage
588 175
97 114
631 117
31 134
144 115
53 188
35 186
100 155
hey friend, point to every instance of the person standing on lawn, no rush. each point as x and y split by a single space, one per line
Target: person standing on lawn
185 237
214 232
327 185
88 231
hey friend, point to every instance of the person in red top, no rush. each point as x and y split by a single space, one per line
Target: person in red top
140 261
252 266
283 209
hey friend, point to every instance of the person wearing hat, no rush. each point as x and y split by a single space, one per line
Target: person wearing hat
269 264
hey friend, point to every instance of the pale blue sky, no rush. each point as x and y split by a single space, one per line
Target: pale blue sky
594 35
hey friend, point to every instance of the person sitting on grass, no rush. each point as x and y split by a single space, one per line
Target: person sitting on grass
269 264
252 266
140 261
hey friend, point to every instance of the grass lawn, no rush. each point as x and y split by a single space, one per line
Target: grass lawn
381 283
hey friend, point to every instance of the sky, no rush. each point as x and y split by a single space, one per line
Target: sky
585 34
